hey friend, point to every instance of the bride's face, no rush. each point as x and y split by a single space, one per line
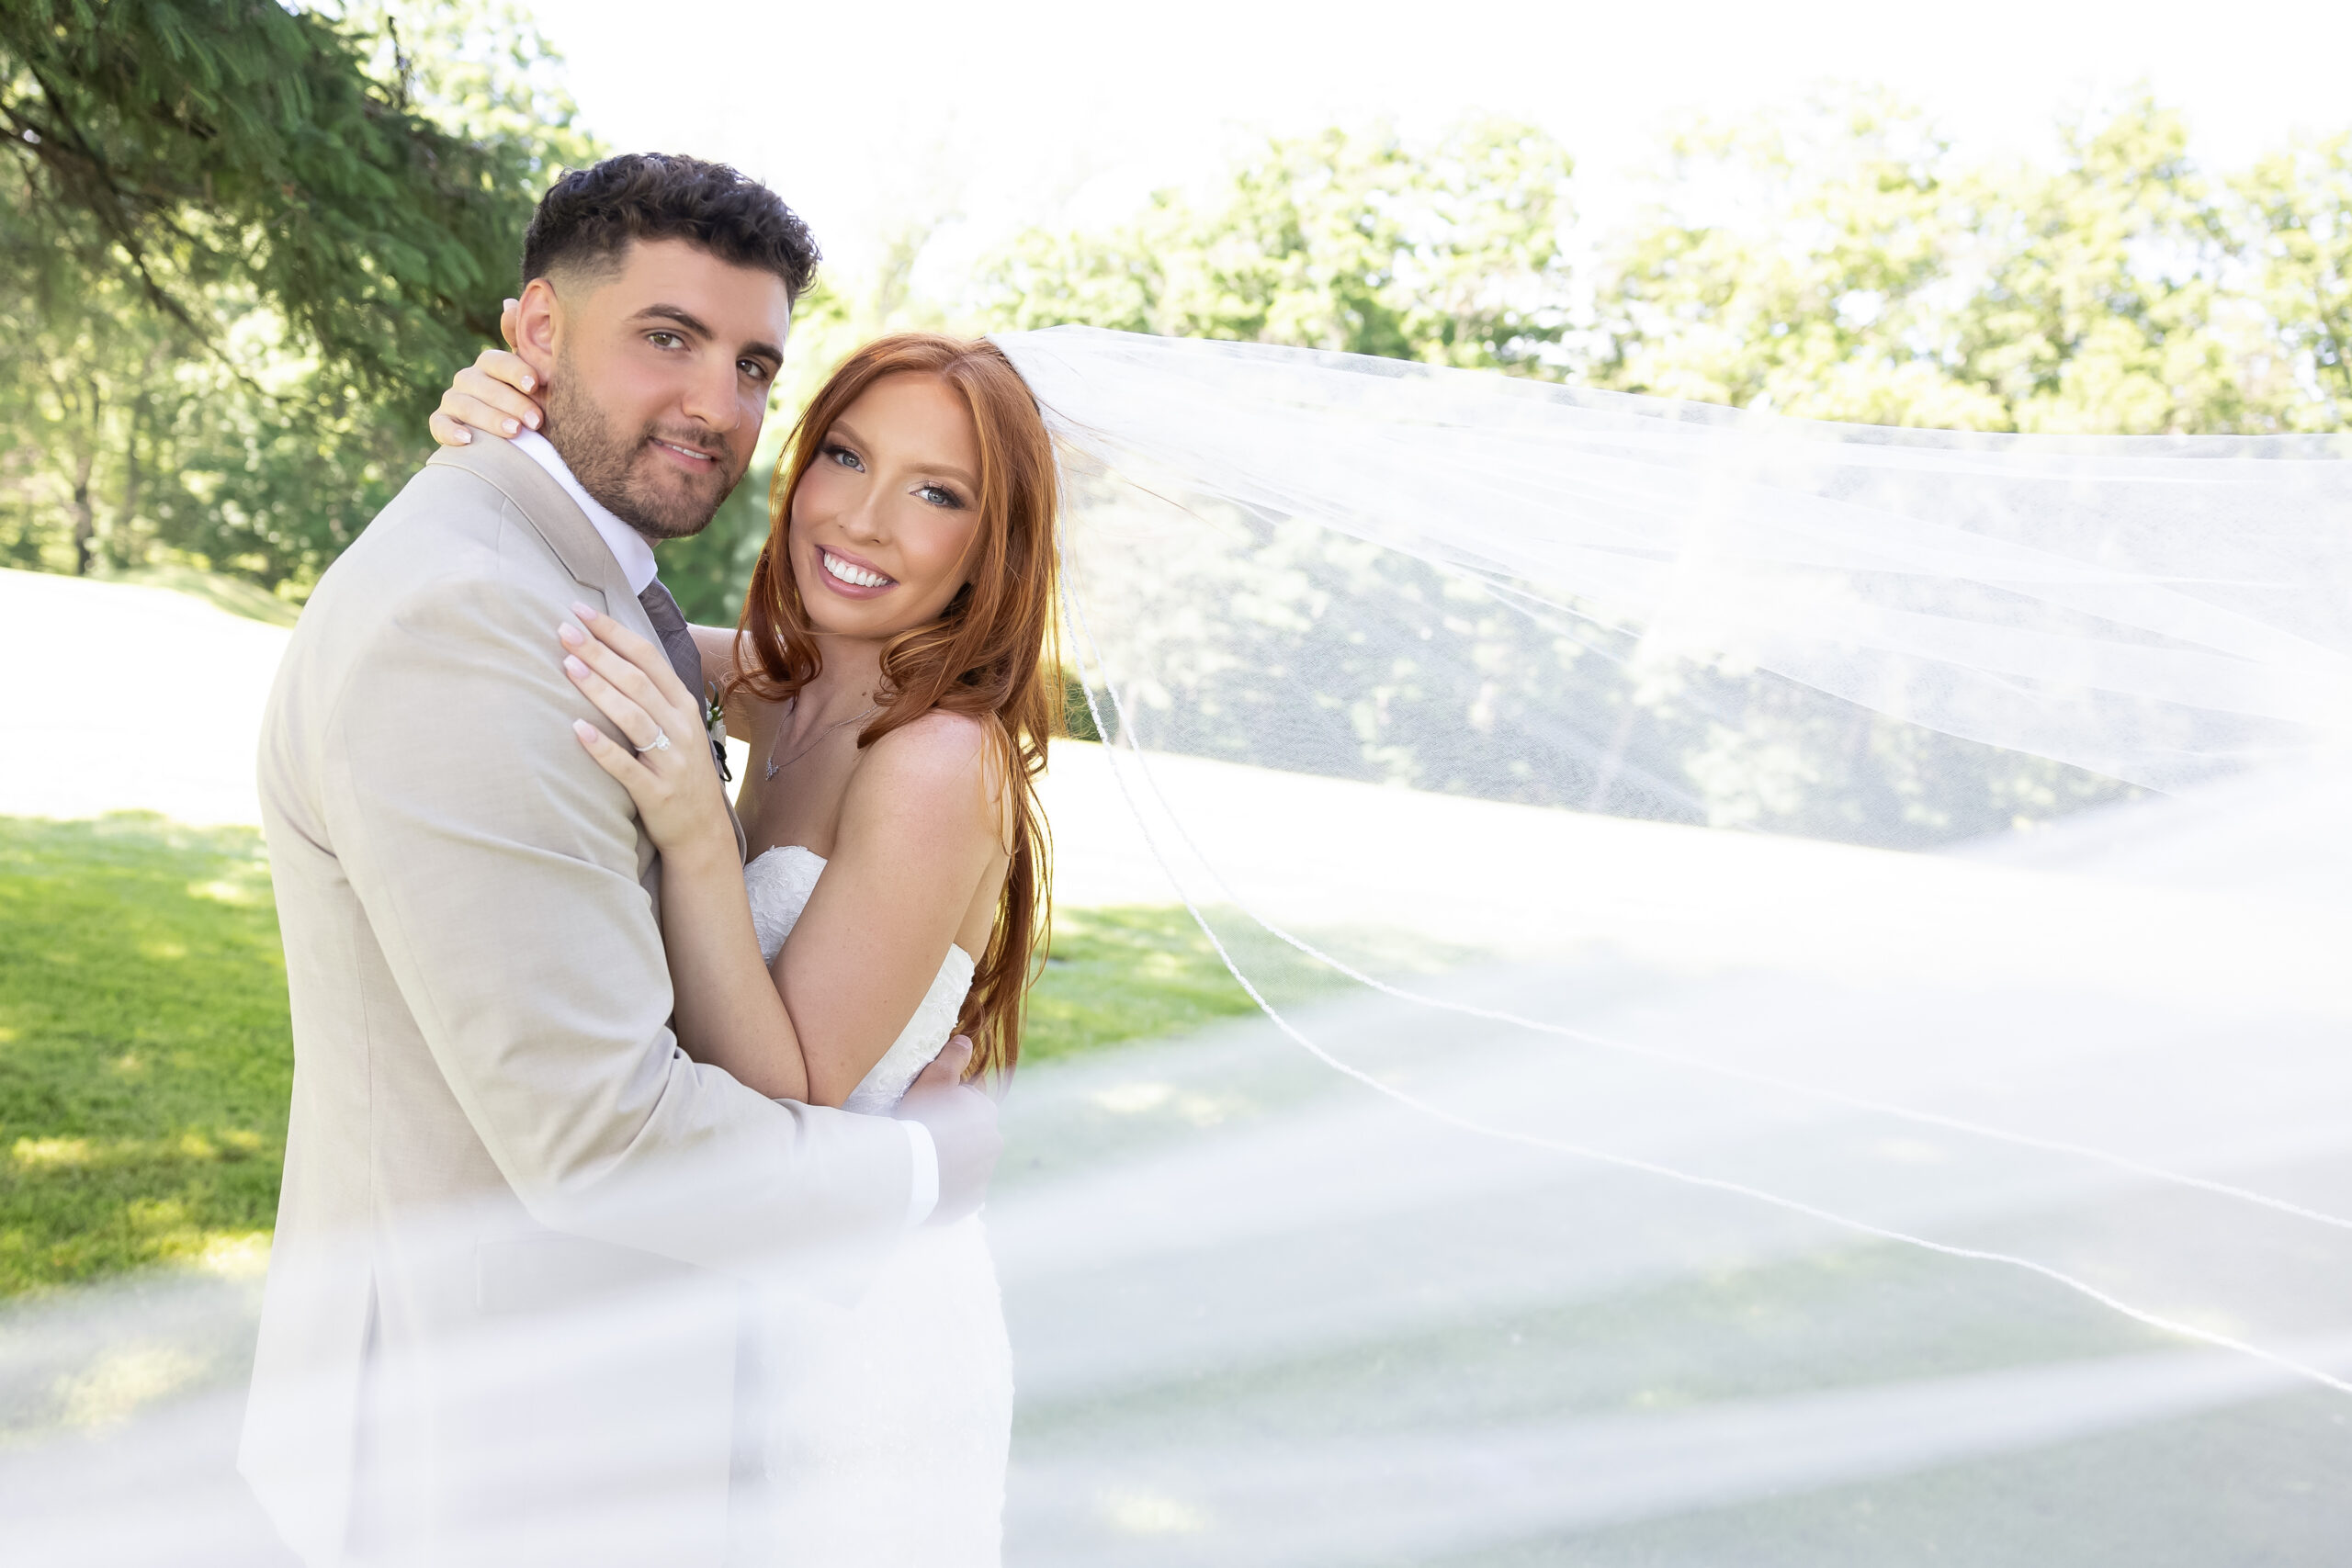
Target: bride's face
883 520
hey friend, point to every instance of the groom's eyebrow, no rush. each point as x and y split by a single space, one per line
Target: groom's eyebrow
680 316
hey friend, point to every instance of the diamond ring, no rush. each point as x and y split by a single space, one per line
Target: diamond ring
659 742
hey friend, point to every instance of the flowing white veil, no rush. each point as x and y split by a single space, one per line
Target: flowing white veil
1673 1173
1804 1013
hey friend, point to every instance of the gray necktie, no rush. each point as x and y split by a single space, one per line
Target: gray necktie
678 644
670 626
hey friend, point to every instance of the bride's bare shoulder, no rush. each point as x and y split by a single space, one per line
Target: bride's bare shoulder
941 763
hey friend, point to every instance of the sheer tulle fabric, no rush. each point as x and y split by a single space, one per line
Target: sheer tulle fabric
1803 1015
1813 1033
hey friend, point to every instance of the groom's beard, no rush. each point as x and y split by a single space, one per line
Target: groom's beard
621 469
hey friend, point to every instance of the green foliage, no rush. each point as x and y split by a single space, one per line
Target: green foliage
2302 202
1795 266
242 245
186 144
1860 272
144 1066
1449 253
1839 263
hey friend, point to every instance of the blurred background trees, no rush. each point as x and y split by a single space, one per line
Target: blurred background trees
241 248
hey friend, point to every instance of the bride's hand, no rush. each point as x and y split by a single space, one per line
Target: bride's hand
494 393
676 786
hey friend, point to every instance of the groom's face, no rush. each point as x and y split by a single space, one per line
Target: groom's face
658 376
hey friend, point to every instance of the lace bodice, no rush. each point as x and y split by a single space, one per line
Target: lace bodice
779 882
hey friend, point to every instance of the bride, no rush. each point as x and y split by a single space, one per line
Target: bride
890 677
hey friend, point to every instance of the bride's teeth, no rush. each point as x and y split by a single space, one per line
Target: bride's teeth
856 575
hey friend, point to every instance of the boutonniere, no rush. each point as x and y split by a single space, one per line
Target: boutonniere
714 724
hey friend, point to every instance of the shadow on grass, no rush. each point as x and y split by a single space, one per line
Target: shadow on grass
146 1058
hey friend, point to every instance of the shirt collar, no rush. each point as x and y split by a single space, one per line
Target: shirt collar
629 545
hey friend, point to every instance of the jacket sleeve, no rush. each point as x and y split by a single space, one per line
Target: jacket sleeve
498 867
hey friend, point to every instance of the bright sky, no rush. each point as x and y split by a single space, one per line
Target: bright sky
866 113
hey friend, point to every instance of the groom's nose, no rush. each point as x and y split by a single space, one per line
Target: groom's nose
713 398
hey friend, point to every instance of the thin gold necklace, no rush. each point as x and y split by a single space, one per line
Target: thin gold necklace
774 767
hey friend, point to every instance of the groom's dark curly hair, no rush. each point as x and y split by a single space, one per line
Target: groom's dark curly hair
587 219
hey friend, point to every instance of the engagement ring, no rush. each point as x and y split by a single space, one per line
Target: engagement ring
659 742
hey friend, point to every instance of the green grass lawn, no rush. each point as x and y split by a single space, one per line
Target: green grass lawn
143 1058
145 1063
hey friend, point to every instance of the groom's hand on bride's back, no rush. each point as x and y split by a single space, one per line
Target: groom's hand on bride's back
961 1119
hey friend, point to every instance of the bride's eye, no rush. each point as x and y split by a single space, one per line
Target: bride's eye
940 495
843 456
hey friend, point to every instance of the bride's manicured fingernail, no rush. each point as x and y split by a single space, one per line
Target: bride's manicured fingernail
582 729
573 636
582 611
512 427
527 384
531 419
573 666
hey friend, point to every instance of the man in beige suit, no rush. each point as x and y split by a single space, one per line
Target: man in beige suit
501 1321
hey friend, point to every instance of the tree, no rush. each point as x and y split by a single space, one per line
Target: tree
1859 271
1798 266
1449 253
2107 306
246 246
188 143
2298 214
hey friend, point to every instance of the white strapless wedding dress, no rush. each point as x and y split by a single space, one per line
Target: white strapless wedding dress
889 1417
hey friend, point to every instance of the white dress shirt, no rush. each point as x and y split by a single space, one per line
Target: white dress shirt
635 557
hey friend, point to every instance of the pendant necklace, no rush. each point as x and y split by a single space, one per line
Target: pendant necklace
774 767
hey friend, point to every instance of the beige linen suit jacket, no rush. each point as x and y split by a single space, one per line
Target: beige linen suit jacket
501 1323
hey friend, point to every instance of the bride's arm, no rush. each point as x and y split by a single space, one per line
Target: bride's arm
919 841
916 839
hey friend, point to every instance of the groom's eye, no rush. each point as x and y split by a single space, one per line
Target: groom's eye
752 368
666 340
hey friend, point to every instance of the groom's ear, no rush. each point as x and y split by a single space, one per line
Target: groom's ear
538 317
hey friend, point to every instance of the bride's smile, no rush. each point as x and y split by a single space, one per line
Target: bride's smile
850 576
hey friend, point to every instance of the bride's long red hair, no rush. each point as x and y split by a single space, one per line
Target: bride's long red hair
991 654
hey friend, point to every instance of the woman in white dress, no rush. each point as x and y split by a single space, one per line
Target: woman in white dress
891 675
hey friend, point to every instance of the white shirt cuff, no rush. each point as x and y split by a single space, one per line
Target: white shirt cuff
924 1196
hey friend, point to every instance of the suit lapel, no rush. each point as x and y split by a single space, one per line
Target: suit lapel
547 509
575 540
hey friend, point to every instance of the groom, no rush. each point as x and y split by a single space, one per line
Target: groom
501 1321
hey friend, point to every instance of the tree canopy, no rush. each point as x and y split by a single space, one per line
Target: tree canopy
1841 262
242 246
1450 252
